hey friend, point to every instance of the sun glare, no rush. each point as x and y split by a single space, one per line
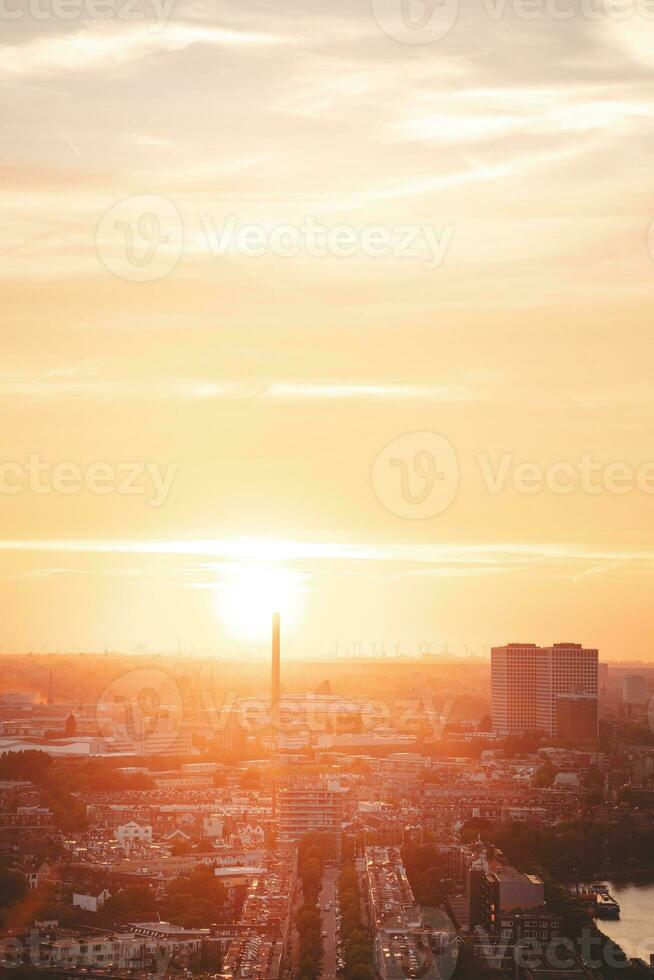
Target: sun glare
249 594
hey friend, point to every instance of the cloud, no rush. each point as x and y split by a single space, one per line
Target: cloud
86 382
478 116
106 45
477 557
357 391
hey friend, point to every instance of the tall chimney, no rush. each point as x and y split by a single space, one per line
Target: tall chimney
274 687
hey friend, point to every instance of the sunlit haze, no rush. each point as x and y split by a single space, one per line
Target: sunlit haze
251 379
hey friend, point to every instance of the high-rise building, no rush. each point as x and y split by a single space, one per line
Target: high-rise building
634 689
576 717
306 806
527 682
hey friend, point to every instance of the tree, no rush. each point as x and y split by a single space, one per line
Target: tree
12 887
31 765
545 776
195 900
133 900
361 971
70 727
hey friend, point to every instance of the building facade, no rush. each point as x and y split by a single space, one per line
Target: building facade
310 806
529 685
635 690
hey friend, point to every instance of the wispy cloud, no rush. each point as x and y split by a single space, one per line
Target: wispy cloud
477 557
88 383
106 45
382 391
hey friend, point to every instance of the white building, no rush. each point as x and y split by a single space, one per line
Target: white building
91 900
566 780
147 944
133 833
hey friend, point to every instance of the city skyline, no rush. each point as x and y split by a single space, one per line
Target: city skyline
326 485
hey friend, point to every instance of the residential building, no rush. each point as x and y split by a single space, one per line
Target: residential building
91 900
634 690
527 682
310 805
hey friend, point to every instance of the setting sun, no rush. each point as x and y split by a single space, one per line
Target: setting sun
249 594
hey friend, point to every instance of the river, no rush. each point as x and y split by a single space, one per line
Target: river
634 930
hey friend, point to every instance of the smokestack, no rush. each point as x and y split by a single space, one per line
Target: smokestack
274 688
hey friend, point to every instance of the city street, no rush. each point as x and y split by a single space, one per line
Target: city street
328 896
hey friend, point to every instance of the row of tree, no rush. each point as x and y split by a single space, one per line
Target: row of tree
427 874
313 853
356 945
195 901
583 848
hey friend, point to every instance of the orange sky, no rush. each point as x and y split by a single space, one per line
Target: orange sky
271 383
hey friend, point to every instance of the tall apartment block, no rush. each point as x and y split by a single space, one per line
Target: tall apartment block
307 806
635 690
532 688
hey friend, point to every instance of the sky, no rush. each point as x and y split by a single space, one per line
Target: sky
345 307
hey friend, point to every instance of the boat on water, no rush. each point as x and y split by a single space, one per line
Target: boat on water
598 900
606 906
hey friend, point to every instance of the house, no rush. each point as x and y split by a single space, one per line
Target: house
251 836
133 833
212 825
37 871
178 836
91 899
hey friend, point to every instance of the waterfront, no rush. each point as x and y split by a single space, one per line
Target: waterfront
634 930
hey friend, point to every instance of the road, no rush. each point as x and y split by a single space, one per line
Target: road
328 895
